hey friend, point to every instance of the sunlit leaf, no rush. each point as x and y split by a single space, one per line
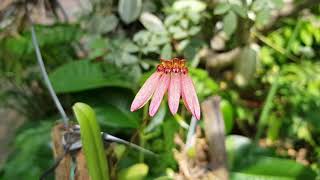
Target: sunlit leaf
91 141
129 10
227 112
193 5
152 22
221 8
230 23
135 172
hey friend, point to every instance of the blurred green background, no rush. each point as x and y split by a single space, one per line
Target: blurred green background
241 50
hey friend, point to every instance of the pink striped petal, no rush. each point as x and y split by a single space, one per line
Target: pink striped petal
157 97
189 96
146 91
174 92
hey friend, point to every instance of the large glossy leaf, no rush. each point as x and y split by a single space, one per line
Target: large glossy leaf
84 75
152 22
129 10
258 163
277 168
91 141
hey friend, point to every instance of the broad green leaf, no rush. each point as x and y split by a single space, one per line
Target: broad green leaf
263 17
221 8
245 66
192 5
240 10
91 142
227 112
84 75
245 176
135 172
277 168
230 22
152 22
112 116
102 24
129 10
166 52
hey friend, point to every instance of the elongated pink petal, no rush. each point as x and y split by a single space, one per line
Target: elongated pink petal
174 92
157 97
189 96
146 91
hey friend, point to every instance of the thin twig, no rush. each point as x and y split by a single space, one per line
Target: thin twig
44 72
280 50
266 108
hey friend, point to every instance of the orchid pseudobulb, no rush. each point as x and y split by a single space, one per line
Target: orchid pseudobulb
172 76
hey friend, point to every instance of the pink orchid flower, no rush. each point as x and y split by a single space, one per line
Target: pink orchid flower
172 76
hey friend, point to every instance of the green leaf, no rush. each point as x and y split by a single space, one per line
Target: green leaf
263 17
246 66
129 10
277 168
152 22
112 116
166 52
91 142
221 8
240 10
227 112
192 5
135 172
102 24
84 75
32 153
230 22
236 147
245 176
306 37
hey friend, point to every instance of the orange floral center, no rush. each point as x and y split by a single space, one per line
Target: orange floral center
174 65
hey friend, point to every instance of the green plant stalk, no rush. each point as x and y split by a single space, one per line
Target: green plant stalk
280 50
266 109
141 134
92 142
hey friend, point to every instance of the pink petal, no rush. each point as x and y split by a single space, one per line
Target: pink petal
189 96
174 92
146 91
161 89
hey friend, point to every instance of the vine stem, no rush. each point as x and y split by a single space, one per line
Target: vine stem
44 72
267 108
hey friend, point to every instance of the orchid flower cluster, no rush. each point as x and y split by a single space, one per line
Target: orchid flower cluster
172 76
